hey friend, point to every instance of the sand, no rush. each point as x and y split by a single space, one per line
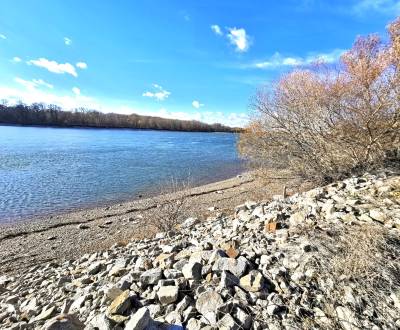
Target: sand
71 235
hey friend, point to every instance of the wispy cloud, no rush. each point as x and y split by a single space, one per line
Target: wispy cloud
239 38
2 36
76 91
16 59
197 104
32 84
216 29
391 7
53 66
67 41
159 93
185 15
40 82
277 60
81 65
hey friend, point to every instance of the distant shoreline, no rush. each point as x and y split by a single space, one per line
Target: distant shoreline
39 114
113 128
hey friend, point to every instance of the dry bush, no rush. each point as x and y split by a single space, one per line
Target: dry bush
323 122
173 206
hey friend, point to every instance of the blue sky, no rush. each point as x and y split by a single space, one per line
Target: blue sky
179 59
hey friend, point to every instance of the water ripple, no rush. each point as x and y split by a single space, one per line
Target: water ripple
48 170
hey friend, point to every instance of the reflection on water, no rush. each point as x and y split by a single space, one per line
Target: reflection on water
48 170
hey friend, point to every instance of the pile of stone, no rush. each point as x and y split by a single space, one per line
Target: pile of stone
247 271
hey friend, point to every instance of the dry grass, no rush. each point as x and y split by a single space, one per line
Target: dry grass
365 258
366 254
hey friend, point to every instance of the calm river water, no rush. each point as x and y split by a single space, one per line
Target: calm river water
52 170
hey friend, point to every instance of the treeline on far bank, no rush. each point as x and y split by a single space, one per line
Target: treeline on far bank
41 115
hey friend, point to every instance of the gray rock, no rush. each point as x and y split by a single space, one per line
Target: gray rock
45 314
151 276
95 268
183 304
64 322
173 318
192 270
139 320
236 266
227 323
77 304
208 303
378 215
11 300
228 280
179 265
154 309
172 273
101 322
168 294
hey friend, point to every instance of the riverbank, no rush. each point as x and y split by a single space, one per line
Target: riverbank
327 258
70 235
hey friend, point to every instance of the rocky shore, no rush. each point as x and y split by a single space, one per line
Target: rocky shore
328 258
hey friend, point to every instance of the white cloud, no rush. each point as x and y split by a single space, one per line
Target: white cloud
159 94
391 7
54 67
16 59
197 104
31 94
81 65
76 91
277 60
239 38
216 29
2 36
32 84
67 41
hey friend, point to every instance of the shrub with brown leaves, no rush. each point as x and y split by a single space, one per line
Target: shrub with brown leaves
324 123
